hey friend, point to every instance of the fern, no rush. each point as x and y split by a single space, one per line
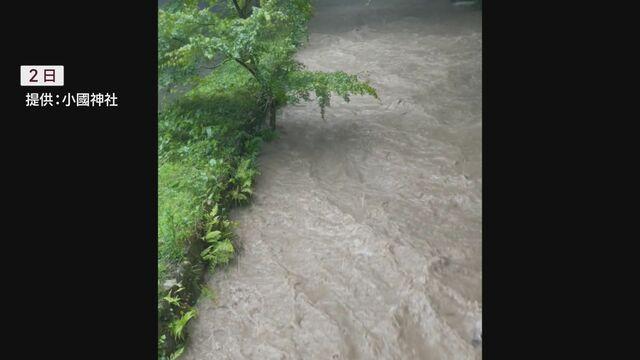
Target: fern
176 354
218 254
172 300
178 325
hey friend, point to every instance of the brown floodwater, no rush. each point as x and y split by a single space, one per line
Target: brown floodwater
363 239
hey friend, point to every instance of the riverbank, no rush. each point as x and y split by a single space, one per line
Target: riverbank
208 141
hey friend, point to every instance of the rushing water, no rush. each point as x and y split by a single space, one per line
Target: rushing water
363 240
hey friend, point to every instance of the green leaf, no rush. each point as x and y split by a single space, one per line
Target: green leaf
213 236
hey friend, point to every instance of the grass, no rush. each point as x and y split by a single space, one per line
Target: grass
180 189
208 142
202 138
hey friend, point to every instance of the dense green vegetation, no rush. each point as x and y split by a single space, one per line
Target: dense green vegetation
236 57
208 142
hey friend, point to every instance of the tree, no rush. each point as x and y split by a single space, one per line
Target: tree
262 37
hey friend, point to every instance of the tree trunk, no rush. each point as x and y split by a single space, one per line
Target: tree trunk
271 114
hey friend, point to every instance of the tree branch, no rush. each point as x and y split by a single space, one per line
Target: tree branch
216 65
235 3
252 71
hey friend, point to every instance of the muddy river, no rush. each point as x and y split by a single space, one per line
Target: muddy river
363 240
